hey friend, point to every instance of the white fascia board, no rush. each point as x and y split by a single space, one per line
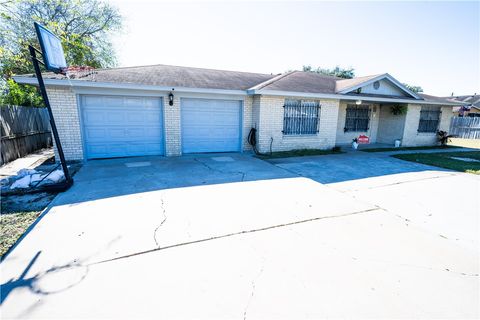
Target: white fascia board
125 86
381 77
346 97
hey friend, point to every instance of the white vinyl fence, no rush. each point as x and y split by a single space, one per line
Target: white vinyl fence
465 127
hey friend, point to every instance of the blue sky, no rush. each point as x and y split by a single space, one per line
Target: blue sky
432 44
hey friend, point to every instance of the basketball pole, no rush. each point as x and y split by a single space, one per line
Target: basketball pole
43 91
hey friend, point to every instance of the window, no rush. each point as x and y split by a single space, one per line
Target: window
429 118
300 117
357 118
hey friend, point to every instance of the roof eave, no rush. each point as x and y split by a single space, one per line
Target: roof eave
346 97
125 86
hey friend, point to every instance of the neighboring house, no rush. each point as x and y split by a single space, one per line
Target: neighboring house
169 110
470 107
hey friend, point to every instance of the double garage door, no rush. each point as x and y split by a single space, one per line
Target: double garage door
116 126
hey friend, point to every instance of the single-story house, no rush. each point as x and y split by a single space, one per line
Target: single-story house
470 107
171 110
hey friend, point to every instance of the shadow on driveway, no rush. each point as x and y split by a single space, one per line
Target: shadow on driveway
349 166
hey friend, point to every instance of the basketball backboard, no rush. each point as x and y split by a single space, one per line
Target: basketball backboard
52 50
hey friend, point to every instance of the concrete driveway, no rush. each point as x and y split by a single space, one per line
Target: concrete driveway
231 236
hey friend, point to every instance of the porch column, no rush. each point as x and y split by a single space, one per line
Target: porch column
412 119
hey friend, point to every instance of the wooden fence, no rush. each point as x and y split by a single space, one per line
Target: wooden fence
465 127
23 131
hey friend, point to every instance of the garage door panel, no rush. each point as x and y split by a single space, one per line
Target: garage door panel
122 126
123 134
210 125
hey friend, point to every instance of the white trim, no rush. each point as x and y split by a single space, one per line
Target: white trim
146 93
381 77
346 97
130 86
118 92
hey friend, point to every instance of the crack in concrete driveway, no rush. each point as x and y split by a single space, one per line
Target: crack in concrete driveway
243 174
233 234
162 208
250 298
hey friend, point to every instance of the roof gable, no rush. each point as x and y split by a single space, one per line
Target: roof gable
382 85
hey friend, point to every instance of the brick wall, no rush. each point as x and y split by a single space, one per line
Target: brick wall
248 122
411 136
263 112
64 107
173 135
268 115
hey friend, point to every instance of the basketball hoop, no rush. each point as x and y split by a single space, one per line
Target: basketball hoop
79 72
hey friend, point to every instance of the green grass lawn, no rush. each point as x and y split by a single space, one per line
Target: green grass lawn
405 148
297 153
444 160
12 226
18 212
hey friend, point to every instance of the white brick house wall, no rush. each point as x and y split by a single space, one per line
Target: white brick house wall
411 136
172 131
268 115
263 112
65 111
247 122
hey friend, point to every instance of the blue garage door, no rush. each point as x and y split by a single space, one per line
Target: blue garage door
210 125
116 126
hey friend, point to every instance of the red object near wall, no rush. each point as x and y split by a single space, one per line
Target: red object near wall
363 139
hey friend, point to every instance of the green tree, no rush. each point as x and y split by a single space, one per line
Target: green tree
84 26
415 89
21 95
346 73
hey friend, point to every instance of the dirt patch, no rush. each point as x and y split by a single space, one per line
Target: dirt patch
19 209
18 212
26 202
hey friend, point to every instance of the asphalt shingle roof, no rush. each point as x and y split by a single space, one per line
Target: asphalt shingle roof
188 77
473 100
175 76
299 81
428 97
